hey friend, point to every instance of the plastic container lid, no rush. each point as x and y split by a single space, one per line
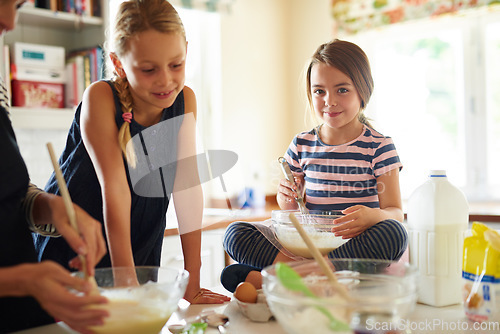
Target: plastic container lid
437 173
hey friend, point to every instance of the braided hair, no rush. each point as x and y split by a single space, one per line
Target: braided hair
134 17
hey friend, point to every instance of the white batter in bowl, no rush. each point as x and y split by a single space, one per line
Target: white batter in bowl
141 299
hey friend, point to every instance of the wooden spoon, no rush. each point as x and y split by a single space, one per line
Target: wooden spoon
341 289
70 210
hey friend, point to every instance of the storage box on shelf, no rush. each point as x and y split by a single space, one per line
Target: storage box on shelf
38 56
37 75
54 28
33 94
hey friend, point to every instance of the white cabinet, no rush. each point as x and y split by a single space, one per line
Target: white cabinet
212 256
43 26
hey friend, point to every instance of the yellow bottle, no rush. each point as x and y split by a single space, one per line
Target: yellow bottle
481 274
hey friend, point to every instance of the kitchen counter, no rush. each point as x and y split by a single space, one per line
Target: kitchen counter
216 218
424 319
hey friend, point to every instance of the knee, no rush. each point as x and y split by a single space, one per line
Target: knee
397 238
386 240
234 233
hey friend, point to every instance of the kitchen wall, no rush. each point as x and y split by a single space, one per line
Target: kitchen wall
32 143
265 46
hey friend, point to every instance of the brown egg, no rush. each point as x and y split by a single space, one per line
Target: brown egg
246 292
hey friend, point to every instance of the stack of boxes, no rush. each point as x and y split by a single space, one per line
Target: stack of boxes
38 75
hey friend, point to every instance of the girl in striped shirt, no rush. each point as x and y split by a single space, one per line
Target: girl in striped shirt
342 164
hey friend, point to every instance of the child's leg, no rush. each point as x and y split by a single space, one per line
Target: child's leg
386 240
246 244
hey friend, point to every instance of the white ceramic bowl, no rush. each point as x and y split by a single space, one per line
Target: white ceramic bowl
317 225
141 299
381 294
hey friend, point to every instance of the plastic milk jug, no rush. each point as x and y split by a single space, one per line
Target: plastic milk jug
438 215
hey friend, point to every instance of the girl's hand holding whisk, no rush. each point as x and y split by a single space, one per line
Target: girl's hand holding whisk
288 193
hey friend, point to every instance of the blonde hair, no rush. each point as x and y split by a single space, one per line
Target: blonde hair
351 60
134 17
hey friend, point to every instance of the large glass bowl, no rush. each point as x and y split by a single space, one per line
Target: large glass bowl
381 294
317 225
141 299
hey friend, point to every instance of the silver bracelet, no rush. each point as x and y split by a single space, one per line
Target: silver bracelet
28 202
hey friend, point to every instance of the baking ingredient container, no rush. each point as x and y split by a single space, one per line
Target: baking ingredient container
438 215
258 311
481 274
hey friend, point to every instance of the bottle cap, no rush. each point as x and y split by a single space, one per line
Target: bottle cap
437 173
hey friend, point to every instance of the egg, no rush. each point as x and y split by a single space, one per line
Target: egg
246 292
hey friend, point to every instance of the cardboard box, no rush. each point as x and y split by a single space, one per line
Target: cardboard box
40 74
37 94
37 55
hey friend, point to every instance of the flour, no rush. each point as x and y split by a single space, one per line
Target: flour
309 320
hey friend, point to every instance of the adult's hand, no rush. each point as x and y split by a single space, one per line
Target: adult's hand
89 242
48 283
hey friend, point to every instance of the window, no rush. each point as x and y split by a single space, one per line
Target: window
492 51
437 93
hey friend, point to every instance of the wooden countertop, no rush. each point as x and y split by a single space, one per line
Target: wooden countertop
487 212
217 218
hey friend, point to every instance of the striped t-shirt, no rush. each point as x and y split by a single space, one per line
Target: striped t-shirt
339 176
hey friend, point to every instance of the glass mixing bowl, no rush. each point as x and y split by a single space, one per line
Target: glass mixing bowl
317 225
141 299
381 294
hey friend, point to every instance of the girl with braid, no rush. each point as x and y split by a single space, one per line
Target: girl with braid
123 155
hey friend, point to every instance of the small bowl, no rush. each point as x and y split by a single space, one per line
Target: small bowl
317 224
141 299
381 293
259 311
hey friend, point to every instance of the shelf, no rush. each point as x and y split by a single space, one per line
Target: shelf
40 17
40 118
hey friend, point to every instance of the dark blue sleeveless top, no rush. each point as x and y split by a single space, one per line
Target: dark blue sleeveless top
148 211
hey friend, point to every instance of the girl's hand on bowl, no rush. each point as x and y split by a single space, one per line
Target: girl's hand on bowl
357 219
